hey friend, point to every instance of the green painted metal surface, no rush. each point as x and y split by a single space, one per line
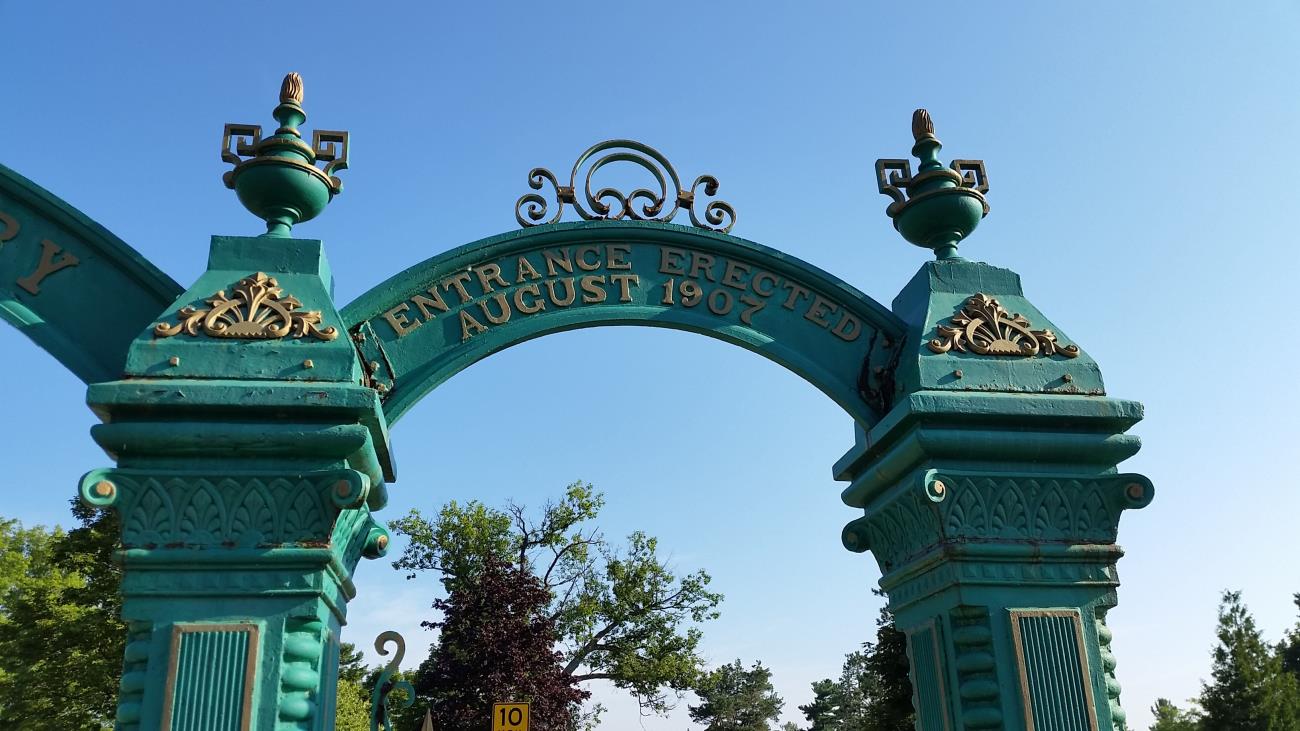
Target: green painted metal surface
71 286
991 492
438 317
209 689
247 471
1053 673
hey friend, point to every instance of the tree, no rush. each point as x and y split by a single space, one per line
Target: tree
1249 690
1289 648
823 712
1172 718
352 664
621 615
873 692
496 644
735 699
61 641
352 711
886 686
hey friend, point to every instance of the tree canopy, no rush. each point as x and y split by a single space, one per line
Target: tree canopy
735 699
61 641
621 613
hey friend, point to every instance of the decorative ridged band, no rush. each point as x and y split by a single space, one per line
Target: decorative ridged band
135 665
977 679
304 645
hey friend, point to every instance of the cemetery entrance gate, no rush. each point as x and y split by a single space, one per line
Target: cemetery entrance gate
249 419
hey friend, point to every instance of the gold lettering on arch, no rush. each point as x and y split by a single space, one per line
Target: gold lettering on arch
11 227
47 266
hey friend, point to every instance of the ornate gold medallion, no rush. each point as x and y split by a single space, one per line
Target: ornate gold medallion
258 311
984 327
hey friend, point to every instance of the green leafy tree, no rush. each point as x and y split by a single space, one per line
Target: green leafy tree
61 641
1169 717
621 613
496 644
1249 690
352 712
735 699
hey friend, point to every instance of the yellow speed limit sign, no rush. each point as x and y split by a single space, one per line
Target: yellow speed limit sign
509 717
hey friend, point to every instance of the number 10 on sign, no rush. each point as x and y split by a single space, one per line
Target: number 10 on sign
510 717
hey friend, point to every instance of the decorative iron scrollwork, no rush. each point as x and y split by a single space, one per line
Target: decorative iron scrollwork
385 685
258 310
642 204
894 176
984 327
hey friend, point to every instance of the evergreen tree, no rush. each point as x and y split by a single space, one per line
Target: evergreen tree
1289 649
873 692
1249 690
823 712
352 664
888 688
1169 717
735 699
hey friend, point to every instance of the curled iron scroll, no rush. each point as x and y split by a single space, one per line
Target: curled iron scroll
379 712
658 203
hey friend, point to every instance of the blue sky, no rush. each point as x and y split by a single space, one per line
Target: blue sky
1142 179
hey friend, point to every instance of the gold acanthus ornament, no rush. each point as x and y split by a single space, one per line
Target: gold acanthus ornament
258 310
983 326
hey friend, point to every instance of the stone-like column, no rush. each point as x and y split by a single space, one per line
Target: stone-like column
990 492
991 504
249 457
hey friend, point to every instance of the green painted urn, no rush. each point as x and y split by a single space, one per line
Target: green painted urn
277 178
939 206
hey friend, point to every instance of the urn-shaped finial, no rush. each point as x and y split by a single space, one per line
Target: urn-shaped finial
277 178
939 206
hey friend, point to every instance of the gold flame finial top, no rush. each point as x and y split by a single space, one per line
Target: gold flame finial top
291 89
922 125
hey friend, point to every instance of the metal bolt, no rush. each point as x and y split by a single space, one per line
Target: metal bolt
104 488
382 542
1135 491
308 363
1067 378
374 366
343 488
957 373
175 360
938 487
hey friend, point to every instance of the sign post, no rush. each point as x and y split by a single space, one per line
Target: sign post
509 717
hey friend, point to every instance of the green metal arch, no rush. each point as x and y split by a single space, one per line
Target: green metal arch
70 285
409 354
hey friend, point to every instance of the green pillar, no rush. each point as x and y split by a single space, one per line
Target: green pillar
250 454
990 491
